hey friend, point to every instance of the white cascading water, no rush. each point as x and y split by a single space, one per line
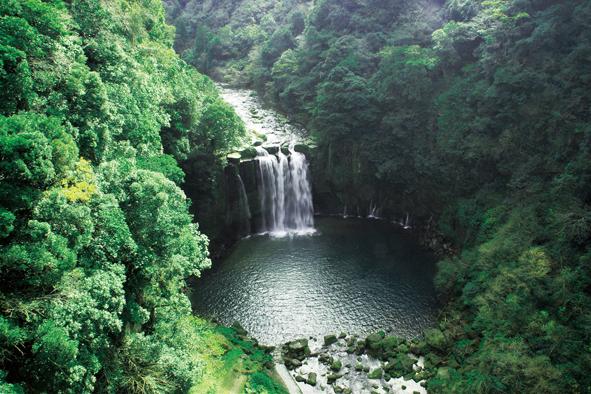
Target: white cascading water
243 207
285 193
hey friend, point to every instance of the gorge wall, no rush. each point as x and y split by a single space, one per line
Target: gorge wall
473 113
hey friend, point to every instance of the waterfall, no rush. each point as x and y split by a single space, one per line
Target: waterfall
284 192
243 207
374 211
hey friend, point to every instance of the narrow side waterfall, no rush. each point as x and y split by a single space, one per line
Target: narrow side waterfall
243 207
285 193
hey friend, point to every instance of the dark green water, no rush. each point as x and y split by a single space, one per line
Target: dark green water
353 275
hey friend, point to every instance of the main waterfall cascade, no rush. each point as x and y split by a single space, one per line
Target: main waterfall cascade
284 192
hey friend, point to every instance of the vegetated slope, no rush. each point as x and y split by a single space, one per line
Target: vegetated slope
224 38
477 114
96 239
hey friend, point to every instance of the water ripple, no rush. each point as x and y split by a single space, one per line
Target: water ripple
356 276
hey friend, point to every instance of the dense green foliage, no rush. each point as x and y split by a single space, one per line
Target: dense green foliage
96 238
472 112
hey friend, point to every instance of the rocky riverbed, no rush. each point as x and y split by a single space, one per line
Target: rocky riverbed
379 363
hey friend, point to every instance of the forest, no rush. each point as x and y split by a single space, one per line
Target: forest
474 116
96 236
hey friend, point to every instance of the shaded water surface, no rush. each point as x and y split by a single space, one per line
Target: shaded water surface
353 275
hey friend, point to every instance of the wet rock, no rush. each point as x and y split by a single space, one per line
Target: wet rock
373 343
272 149
333 377
342 335
239 329
325 358
234 157
300 378
336 365
312 379
248 153
292 363
360 347
400 365
329 339
375 374
358 367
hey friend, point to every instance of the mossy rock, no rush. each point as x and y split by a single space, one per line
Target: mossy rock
336 365
312 379
333 377
234 157
435 339
324 358
292 363
272 149
418 348
375 374
248 153
374 341
399 365
360 347
239 329
304 148
299 345
330 339
358 367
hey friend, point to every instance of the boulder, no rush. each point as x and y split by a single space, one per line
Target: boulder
239 329
312 379
375 374
234 157
330 339
248 153
299 345
373 343
435 339
336 365
325 358
333 377
272 149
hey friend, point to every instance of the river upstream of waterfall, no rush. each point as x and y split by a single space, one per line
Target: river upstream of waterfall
303 276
